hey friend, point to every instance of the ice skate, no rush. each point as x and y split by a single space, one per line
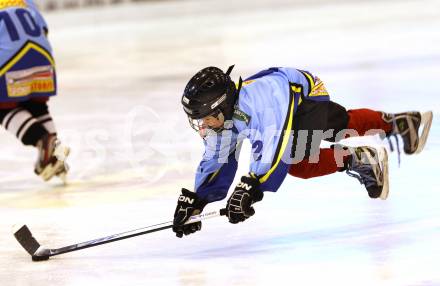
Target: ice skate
62 173
52 157
407 125
370 166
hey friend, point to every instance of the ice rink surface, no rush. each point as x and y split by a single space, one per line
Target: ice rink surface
122 70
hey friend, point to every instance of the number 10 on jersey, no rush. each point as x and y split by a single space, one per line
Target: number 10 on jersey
30 27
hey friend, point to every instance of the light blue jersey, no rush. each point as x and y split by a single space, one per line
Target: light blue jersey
264 114
27 68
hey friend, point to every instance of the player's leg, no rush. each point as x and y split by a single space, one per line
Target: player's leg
312 119
52 155
38 107
367 122
21 120
355 122
330 161
369 163
406 124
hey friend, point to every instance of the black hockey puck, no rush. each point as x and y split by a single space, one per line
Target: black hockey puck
40 258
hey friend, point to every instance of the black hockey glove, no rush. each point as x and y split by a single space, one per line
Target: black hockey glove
188 204
239 206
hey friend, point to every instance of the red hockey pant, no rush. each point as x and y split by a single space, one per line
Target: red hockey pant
363 121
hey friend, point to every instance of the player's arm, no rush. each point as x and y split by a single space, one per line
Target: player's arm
267 172
213 179
214 176
268 167
217 169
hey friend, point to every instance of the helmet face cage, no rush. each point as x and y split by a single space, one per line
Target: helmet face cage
204 130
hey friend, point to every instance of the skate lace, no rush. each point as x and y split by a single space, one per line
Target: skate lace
394 135
363 175
397 146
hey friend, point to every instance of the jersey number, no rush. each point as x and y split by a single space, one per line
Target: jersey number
26 20
258 146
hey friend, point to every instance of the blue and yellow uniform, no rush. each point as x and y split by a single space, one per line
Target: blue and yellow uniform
264 114
27 68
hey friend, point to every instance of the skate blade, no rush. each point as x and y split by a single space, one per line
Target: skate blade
426 121
383 157
63 178
63 174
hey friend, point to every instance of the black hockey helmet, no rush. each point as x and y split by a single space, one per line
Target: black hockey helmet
209 92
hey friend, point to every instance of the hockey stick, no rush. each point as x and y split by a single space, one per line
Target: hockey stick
40 253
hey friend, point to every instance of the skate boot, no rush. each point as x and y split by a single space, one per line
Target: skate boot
407 125
51 159
370 166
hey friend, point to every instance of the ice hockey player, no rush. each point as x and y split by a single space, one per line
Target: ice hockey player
285 113
27 80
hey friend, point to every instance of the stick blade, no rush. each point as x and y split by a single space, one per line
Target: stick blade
42 254
25 238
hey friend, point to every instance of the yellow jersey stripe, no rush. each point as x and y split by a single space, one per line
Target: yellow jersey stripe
26 48
285 140
297 89
213 175
309 79
319 90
